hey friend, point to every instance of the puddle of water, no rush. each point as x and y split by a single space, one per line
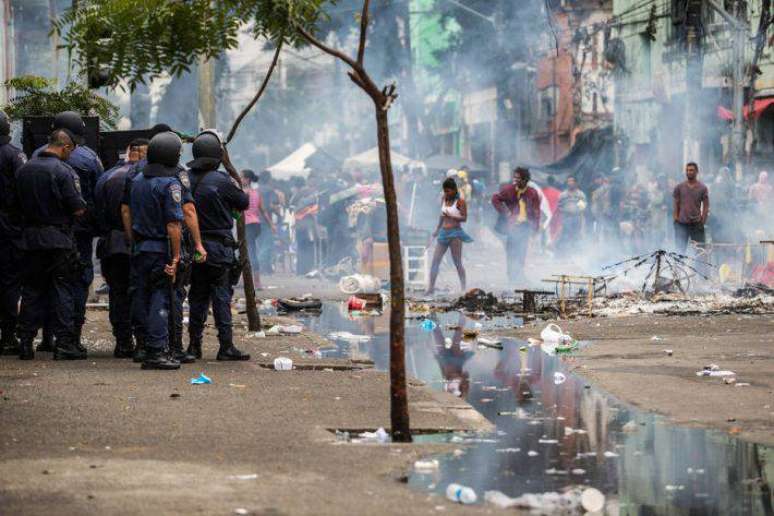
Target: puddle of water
551 434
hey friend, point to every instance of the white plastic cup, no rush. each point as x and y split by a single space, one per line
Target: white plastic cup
283 364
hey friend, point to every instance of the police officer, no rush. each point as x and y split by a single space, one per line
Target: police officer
88 166
113 248
216 196
156 215
11 159
49 200
191 246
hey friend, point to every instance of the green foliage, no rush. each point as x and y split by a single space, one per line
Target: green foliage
38 96
138 40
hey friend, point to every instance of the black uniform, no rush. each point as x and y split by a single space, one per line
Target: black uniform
216 196
183 277
11 159
48 193
87 165
114 252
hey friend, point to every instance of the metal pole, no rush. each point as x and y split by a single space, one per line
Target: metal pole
739 80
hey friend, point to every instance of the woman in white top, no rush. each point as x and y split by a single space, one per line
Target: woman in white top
449 233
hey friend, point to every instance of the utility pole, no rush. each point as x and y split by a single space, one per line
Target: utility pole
740 30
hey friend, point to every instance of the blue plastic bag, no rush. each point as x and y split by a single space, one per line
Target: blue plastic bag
202 379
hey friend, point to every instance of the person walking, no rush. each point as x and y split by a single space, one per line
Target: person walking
690 208
519 207
449 232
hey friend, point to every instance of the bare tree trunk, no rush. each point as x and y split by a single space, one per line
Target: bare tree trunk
253 317
399 416
383 99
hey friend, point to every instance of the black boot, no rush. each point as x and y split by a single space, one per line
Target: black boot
157 360
139 350
176 352
67 350
26 352
9 344
124 348
46 343
195 347
78 344
230 352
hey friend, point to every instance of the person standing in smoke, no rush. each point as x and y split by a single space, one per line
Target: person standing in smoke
691 208
449 232
254 216
572 206
518 205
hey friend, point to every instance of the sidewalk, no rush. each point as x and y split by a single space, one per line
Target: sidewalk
103 437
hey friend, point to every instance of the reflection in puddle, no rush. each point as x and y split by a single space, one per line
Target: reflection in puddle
552 434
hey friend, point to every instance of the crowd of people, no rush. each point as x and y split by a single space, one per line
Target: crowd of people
166 233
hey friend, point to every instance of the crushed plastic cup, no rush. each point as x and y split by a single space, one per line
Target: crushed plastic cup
356 303
202 379
428 325
283 364
559 378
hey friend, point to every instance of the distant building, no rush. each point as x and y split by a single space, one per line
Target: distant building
673 63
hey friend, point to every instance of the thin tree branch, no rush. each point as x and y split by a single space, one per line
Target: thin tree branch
363 32
364 81
328 50
258 93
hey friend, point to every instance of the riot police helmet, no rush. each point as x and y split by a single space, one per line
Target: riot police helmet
73 122
207 151
165 149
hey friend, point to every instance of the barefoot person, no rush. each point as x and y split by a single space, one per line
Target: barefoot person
449 232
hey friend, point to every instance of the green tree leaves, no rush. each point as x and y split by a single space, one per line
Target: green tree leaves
138 40
37 96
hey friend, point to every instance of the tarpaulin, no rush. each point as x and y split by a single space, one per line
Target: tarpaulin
759 106
592 155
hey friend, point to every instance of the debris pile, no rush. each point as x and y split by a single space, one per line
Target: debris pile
477 300
677 304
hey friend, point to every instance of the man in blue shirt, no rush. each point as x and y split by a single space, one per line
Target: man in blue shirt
113 249
48 194
88 166
156 216
218 198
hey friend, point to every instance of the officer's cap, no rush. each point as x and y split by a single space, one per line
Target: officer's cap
73 122
165 149
207 151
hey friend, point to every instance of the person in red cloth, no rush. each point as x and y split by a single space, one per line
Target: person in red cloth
519 207
552 193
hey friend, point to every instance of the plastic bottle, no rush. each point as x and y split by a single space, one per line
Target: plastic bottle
461 494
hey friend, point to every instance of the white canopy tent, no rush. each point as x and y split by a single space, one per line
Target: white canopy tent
294 164
370 158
